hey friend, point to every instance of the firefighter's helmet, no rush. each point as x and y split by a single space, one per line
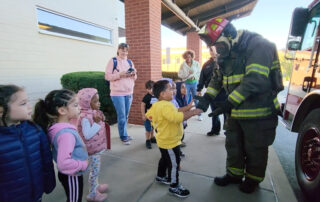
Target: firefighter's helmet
212 30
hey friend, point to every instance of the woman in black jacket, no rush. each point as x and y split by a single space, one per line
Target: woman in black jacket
205 77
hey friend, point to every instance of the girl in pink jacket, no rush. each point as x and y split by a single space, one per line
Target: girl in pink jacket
55 114
92 129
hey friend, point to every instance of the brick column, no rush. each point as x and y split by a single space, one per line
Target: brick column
194 43
143 34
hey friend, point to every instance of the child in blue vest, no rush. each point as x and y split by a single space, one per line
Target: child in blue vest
26 167
55 114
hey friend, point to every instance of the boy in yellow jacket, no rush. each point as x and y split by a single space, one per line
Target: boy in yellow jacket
168 123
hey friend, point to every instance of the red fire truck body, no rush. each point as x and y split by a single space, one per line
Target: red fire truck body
301 111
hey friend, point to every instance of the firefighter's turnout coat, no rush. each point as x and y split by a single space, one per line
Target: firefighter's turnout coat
251 77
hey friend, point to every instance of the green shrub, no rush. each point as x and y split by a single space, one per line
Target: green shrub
172 75
75 81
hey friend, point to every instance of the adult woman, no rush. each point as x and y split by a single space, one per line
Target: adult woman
190 72
122 77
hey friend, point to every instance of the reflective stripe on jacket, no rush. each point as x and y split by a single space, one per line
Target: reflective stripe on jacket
248 76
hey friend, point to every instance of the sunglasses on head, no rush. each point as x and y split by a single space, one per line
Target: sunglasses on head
123 45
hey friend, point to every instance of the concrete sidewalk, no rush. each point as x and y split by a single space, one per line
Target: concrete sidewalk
130 171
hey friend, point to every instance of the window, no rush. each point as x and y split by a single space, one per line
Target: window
310 34
53 23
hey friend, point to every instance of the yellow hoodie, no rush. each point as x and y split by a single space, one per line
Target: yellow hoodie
166 119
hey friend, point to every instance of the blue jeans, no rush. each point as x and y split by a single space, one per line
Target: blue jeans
191 91
122 105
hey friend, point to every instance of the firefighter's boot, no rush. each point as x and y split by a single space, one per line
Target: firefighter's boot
248 186
227 179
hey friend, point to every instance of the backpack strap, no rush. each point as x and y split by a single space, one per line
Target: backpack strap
130 63
115 64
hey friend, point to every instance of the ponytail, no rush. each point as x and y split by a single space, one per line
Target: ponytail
40 115
46 111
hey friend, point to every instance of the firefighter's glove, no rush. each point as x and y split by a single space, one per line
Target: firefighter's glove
221 107
204 102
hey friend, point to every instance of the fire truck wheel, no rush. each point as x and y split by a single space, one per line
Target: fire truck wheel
308 155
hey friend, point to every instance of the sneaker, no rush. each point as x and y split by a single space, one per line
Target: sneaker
248 186
148 144
212 133
163 180
129 138
102 188
126 142
227 179
179 191
97 198
182 154
183 144
153 140
200 118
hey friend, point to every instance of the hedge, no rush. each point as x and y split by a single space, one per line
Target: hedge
172 75
78 80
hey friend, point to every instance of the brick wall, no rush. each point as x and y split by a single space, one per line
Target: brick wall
194 43
143 33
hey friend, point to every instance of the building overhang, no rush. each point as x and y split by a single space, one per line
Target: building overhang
184 16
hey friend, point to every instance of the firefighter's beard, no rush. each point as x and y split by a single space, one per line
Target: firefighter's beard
223 47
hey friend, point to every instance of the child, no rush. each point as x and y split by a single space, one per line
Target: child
54 115
25 158
181 99
168 122
92 129
179 95
145 105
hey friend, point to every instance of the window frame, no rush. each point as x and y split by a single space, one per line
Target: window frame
42 31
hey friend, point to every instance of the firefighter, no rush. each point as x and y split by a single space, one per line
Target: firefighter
250 74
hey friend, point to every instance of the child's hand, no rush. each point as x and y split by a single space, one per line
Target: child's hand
197 111
97 118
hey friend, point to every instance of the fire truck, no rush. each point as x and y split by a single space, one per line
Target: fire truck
301 110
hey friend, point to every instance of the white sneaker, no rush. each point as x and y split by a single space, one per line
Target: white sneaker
200 118
126 142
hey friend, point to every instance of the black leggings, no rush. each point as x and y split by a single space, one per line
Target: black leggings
73 186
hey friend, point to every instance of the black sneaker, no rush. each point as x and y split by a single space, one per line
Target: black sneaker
248 186
182 154
212 133
153 140
227 179
163 180
179 191
183 144
148 144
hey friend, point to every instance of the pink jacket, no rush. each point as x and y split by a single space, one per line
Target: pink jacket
119 86
99 141
66 143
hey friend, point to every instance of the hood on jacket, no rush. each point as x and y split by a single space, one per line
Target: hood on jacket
181 99
55 128
85 96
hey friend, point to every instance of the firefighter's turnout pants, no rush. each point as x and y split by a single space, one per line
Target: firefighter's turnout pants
247 143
